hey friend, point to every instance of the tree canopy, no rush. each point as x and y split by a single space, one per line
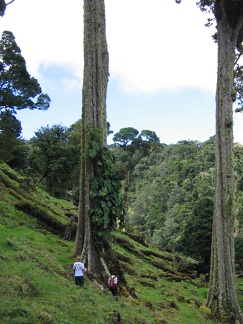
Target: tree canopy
18 90
53 159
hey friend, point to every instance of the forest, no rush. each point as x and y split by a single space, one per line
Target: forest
37 238
167 190
184 197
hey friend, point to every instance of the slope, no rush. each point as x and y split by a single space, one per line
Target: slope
36 257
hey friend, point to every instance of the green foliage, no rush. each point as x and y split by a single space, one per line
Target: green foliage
163 185
196 237
171 195
239 253
18 90
54 159
25 196
125 136
132 147
36 282
107 205
238 87
149 136
13 148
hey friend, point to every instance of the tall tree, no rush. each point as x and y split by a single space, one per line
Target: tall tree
18 90
222 297
133 147
199 231
99 190
53 159
129 141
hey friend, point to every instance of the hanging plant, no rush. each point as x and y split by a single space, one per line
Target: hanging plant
107 211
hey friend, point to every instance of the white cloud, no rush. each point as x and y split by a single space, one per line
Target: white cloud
160 45
156 45
48 32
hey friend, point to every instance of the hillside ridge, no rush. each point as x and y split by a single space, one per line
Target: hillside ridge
36 255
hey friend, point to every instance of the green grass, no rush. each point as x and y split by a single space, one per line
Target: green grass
37 286
36 276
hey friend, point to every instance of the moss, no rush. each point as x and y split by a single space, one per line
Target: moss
134 301
206 309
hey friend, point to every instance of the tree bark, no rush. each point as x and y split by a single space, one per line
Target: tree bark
222 297
94 129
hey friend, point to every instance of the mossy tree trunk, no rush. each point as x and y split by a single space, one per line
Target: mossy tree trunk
222 297
94 127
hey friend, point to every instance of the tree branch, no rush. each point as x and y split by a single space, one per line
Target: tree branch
9 2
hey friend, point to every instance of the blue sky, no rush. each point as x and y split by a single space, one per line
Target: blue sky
174 115
162 65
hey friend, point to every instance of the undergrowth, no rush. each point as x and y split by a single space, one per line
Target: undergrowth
36 276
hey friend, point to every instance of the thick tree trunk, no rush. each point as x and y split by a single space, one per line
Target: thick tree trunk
94 127
222 297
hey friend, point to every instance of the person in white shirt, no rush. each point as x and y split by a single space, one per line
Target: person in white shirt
79 272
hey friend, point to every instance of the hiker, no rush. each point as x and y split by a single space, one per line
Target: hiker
79 272
112 285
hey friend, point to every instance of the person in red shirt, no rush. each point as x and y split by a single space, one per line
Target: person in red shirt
112 285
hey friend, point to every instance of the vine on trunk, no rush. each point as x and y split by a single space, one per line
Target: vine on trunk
107 211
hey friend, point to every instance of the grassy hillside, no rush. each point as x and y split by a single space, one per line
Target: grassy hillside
36 256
